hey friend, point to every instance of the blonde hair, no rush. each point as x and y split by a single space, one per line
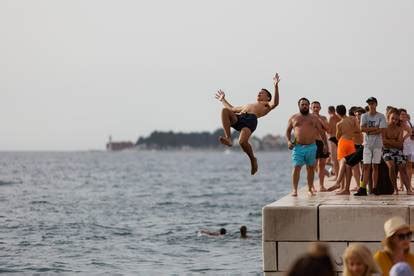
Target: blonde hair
363 254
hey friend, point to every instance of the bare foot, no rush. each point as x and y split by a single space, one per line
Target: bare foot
294 193
410 193
354 189
342 192
333 188
254 166
401 188
225 141
323 189
311 193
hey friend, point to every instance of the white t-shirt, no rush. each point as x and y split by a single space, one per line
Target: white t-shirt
377 120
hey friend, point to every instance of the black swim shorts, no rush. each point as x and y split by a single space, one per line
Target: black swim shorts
319 152
245 120
356 157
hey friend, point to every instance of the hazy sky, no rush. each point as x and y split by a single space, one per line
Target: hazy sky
74 72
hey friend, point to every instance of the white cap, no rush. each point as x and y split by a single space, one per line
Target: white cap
393 225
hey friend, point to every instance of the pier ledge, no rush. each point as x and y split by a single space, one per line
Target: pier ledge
291 223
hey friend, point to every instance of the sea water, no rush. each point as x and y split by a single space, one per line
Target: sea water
135 212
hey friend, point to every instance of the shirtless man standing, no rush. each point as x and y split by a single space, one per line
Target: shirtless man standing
347 130
307 128
244 118
321 155
333 142
393 151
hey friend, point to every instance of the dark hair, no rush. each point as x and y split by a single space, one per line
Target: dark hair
388 109
341 110
360 110
243 231
331 109
269 95
316 102
311 265
222 231
303 99
402 110
366 108
351 111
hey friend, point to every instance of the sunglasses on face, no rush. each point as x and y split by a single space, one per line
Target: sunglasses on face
405 236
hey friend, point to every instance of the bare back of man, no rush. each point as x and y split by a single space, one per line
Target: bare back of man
244 119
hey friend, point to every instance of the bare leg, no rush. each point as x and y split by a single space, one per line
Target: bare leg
321 173
339 176
335 162
404 178
346 181
295 180
409 171
392 174
245 134
310 177
227 119
357 175
375 168
367 175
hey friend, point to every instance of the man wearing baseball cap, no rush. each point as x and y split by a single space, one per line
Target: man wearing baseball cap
398 236
372 125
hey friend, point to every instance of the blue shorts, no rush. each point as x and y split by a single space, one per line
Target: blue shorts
304 155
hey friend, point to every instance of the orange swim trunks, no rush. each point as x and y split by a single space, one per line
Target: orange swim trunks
345 147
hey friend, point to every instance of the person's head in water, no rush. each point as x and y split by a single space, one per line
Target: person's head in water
222 231
341 110
264 95
243 231
316 107
303 105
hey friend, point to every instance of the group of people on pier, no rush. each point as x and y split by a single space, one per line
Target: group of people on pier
354 142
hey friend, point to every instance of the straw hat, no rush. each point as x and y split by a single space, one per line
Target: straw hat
393 225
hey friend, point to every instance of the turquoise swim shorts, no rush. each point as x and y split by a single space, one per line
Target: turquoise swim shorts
304 155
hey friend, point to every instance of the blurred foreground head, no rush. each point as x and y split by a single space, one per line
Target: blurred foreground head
316 262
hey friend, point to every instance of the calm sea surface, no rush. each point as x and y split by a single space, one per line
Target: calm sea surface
135 212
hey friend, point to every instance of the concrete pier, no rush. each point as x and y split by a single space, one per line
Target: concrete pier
291 223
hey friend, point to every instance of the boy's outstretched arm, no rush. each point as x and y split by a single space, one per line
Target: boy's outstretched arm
275 100
222 98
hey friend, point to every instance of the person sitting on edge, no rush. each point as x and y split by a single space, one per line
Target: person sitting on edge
307 128
221 232
398 236
372 125
243 232
244 118
393 151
